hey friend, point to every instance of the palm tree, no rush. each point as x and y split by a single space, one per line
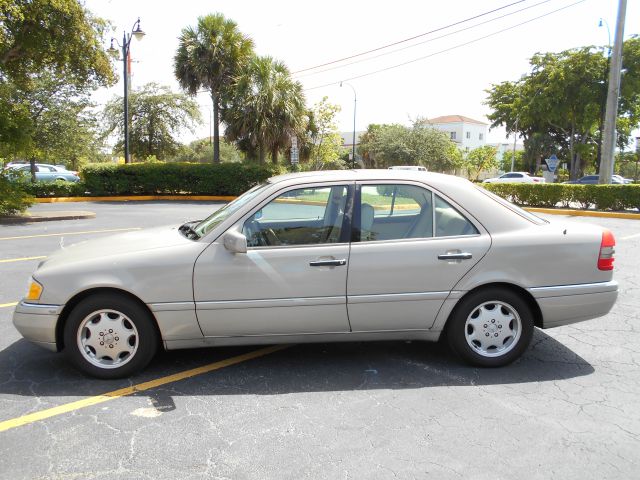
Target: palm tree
209 57
265 109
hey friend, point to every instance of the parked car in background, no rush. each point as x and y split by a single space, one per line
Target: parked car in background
62 168
349 255
45 172
515 177
593 180
623 180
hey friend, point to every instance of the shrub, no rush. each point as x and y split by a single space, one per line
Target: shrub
174 178
603 197
59 188
13 196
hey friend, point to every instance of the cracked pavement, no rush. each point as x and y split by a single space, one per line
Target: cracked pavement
567 409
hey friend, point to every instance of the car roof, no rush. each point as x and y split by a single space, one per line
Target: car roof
367 174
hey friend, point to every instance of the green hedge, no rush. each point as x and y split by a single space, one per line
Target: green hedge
602 197
161 179
59 188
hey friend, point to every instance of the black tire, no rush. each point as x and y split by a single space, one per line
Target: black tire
139 331
514 341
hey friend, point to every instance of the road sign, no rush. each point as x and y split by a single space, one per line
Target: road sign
552 163
294 155
294 142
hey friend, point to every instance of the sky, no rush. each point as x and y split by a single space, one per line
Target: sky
447 72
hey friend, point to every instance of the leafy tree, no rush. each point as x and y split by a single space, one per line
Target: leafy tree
324 138
210 56
519 165
58 35
157 117
201 151
386 145
265 108
481 159
50 120
558 107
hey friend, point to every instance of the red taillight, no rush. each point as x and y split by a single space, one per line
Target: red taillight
536 180
605 259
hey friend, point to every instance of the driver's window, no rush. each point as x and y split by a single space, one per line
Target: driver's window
304 216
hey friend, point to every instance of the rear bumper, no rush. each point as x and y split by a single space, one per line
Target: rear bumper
37 323
565 304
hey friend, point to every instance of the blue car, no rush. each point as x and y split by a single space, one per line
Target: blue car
45 173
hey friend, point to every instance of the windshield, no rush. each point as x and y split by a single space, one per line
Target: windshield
528 215
229 209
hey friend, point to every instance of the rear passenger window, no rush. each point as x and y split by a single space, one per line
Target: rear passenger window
450 222
389 212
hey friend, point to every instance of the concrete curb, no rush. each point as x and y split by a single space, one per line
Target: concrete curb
585 213
46 217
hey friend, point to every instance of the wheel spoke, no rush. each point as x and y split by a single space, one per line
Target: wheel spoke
492 328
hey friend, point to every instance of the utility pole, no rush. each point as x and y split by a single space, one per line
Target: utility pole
613 92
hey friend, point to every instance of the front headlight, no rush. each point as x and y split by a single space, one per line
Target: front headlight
34 291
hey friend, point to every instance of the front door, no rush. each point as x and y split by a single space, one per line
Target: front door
410 248
293 278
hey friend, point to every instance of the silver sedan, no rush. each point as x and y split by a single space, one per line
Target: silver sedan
319 257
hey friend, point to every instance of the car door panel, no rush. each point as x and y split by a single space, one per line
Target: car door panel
276 289
401 284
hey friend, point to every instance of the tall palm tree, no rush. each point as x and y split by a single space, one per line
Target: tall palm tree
266 107
209 57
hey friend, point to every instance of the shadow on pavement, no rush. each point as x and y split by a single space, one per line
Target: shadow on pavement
27 370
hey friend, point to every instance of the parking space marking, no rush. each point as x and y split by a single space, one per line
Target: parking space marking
629 237
71 233
141 387
12 304
23 259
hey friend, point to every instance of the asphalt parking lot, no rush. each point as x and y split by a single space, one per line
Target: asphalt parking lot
567 409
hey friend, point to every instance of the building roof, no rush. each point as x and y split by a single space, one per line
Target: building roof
455 119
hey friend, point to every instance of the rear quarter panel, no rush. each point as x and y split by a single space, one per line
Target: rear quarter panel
541 255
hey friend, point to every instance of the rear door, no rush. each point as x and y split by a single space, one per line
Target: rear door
409 248
293 278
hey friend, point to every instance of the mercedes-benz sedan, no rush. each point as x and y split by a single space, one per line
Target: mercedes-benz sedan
324 256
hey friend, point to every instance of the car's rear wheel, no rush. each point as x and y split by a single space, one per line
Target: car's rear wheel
490 328
110 336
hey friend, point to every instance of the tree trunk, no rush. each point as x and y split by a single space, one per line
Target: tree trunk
262 154
274 155
32 162
216 128
573 172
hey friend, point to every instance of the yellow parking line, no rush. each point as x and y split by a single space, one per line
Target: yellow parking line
23 259
629 237
141 387
12 304
70 233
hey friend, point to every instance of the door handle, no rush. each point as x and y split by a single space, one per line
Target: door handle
328 263
455 256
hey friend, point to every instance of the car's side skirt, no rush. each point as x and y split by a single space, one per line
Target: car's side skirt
425 335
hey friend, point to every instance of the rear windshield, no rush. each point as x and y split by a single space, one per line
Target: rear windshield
514 208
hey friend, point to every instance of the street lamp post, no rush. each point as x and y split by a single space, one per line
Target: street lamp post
136 32
353 146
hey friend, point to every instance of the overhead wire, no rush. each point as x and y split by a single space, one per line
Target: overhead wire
446 49
410 38
335 67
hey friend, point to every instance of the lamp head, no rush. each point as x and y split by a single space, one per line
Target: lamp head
112 49
138 32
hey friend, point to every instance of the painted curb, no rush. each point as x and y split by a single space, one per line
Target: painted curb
136 198
585 213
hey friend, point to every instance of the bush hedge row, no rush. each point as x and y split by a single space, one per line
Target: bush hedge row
174 178
602 197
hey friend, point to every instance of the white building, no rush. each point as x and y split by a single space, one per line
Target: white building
466 132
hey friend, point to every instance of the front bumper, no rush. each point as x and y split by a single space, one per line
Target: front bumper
37 323
565 304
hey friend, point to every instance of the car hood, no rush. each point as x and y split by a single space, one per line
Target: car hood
119 244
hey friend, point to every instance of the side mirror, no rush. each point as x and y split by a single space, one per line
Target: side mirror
235 242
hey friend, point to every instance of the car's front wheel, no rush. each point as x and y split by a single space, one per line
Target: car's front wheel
110 336
491 328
